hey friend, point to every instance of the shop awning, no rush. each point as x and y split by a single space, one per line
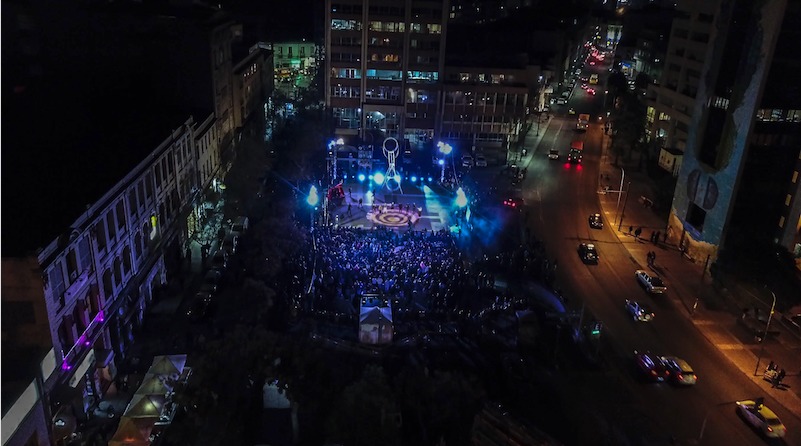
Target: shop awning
145 406
167 365
154 385
132 431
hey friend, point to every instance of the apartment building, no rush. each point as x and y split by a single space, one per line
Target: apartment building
485 109
671 101
738 185
384 63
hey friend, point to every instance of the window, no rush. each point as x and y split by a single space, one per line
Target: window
121 214
158 176
149 185
108 287
72 265
126 259
100 234
140 192
340 25
112 231
132 204
84 254
55 278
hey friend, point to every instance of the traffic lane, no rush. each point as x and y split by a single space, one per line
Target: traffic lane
609 284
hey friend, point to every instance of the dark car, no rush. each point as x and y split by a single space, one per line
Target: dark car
650 366
588 253
679 370
200 308
638 311
596 222
513 202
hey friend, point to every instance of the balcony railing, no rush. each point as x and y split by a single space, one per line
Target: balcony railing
84 341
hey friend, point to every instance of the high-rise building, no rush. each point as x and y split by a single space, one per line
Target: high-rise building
739 186
671 101
384 64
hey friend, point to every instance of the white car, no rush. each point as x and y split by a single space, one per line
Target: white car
467 161
638 311
481 161
680 372
652 284
757 414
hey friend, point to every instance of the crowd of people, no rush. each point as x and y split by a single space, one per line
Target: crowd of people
419 270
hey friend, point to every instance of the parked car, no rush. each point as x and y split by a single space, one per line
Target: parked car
596 222
758 415
638 311
220 260
679 371
211 281
588 253
652 284
200 307
240 225
650 366
513 202
230 243
467 161
481 161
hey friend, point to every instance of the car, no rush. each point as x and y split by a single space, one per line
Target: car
553 154
199 308
584 86
758 415
679 371
596 222
467 161
588 253
220 260
561 101
211 281
650 366
652 284
571 111
481 161
638 311
591 91
230 243
240 225
513 202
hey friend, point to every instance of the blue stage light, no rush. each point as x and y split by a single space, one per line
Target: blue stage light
361 177
414 179
378 178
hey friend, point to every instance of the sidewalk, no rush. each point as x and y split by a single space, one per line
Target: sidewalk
712 311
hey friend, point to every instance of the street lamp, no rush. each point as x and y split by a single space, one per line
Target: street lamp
312 199
620 191
767 327
445 150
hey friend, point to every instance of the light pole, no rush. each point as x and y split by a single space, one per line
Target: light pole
765 335
312 199
445 150
622 213
620 191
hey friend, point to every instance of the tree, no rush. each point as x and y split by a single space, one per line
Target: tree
364 413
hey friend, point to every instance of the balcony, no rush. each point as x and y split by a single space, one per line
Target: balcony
84 342
78 286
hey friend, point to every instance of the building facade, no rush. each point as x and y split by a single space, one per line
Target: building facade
384 64
485 109
672 100
739 181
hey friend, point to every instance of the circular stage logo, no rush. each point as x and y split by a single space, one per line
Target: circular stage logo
391 217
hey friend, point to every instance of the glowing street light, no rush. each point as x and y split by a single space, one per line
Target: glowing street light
461 198
313 197
445 149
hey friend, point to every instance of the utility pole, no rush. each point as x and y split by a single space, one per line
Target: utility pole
623 213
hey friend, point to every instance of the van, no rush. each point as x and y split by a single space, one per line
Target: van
240 225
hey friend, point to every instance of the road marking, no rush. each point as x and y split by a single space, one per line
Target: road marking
730 346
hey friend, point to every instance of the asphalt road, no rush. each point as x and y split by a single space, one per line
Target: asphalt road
560 197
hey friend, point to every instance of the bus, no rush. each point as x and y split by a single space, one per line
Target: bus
576 151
